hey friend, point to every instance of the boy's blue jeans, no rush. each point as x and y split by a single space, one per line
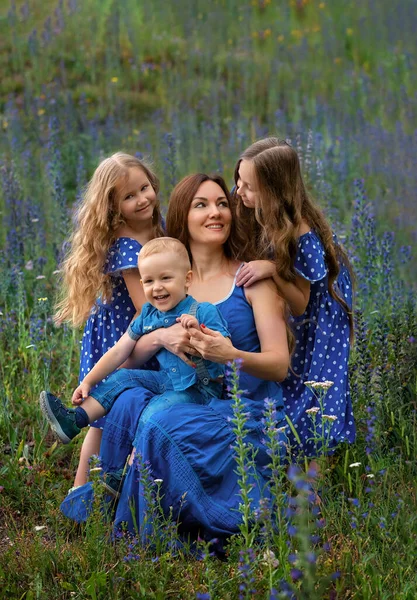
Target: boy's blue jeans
157 382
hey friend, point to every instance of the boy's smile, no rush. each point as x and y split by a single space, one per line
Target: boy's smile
165 280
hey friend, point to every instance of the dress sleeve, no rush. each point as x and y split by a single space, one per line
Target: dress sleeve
310 259
122 255
210 316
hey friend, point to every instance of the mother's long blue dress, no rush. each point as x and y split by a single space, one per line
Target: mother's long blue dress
189 446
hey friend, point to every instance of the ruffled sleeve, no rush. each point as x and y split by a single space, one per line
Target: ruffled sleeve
309 261
122 255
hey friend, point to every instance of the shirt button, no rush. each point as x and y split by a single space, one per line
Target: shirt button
174 370
166 320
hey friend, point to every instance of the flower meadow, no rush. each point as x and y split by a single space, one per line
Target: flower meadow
191 84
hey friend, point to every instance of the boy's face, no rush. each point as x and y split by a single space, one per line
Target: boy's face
165 280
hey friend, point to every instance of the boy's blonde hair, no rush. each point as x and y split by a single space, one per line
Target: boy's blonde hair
97 219
165 244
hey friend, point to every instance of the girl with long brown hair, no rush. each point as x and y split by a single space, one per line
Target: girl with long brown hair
289 239
119 212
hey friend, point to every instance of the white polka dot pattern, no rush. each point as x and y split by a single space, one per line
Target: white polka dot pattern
321 353
108 321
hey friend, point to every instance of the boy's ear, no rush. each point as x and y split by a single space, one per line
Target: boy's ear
188 279
141 282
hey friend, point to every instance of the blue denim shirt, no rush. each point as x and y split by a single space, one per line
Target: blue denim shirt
182 376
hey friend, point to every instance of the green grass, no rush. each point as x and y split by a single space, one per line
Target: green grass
192 84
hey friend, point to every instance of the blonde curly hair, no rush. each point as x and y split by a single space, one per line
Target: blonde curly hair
97 219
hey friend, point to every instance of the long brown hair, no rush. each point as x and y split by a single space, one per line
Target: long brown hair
97 219
234 248
272 228
179 206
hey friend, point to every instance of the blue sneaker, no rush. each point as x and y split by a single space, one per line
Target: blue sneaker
61 418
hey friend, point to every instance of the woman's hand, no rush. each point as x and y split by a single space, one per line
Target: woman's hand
254 271
212 345
176 339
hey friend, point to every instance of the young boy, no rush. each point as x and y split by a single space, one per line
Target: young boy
166 274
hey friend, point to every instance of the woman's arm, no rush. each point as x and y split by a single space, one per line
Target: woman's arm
175 339
272 362
296 293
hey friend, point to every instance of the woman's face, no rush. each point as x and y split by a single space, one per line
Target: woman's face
209 216
247 185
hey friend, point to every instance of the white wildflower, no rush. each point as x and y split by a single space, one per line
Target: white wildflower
270 559
330 417
313 410
158 481
354 465
39 527
370 476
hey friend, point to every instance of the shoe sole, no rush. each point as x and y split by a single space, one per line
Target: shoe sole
55 426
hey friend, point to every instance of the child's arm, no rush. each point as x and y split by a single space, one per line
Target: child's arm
296 293
134 287
188 322
108 363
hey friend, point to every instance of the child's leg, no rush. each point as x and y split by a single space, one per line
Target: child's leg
67 423
91 445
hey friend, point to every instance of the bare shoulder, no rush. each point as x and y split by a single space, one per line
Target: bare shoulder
263 290
304 228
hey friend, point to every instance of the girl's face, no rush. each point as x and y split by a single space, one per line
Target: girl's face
209 216
137 197
247 185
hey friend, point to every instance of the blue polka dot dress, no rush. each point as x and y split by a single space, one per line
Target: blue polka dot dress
321 354
109 320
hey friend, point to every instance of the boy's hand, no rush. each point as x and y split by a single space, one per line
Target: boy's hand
188 322
81 393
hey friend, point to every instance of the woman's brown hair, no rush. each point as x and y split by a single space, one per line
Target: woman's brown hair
179 206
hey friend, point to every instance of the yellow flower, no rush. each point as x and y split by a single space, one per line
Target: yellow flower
114 79
280 38
337 60
5 124
41 112
322 5
349 31
42 299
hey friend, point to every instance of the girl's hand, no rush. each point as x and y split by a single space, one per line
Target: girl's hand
212 345
254 271
81 393
188 322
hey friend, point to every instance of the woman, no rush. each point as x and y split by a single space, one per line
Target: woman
189 448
